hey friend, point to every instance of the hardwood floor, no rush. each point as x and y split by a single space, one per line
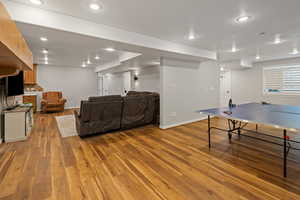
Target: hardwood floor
144 163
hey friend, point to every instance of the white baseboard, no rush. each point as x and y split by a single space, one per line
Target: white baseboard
7 140
182 123
71 107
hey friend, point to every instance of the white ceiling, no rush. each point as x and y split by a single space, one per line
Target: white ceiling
65 49
212 20
135 64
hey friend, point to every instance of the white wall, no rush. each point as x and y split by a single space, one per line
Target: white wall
148 80
247 85
185 88
113 84
75 83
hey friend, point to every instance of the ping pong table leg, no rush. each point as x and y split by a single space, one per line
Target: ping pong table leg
284 154
208 123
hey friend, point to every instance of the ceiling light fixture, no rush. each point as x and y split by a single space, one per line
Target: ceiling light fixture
192 36
45 51
277 39
243 19
222 69
95 6
46 58
37 2
295 51
83 64
257 57
46 62
110 49
234 49
44 39
97 57
88 61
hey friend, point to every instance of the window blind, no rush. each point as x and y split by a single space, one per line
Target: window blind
284 79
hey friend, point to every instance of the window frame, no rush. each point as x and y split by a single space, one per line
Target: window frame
280 93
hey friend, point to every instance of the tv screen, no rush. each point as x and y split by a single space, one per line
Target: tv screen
15 85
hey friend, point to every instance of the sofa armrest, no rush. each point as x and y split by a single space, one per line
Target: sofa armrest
78 123
77 115
62 101
43 102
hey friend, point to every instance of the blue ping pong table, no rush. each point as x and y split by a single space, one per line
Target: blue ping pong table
284 117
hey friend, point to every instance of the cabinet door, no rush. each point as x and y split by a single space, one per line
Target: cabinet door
30 76
31 99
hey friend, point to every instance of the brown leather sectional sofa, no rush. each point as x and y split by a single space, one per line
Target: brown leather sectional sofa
109 113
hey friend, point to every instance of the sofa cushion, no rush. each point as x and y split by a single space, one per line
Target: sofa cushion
137 110
105 98
99 117
132 93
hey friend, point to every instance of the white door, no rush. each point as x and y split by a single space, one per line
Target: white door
100 86
126 82
225 88
105 85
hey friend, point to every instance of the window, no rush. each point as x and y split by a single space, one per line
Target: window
281 80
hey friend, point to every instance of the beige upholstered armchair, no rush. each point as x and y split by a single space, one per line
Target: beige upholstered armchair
53 101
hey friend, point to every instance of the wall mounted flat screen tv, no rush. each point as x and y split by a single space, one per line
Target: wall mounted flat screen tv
15 85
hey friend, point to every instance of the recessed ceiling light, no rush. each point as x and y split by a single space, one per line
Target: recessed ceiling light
97 57
222 69
277 39
192 36
46 58
37 2
95 6
234 49
154 63
44 39
243 19
83 64
46 62
134 68
45 51
110 49
257 57
88 62
295 51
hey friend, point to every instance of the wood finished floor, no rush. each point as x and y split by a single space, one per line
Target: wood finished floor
144 164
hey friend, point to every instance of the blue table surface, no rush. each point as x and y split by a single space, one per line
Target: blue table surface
284 116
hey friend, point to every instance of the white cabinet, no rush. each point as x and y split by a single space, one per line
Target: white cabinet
17 124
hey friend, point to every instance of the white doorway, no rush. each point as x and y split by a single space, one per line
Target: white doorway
115 84
100 86
126 82
105 85
225 88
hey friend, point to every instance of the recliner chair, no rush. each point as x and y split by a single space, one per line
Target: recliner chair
53 101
